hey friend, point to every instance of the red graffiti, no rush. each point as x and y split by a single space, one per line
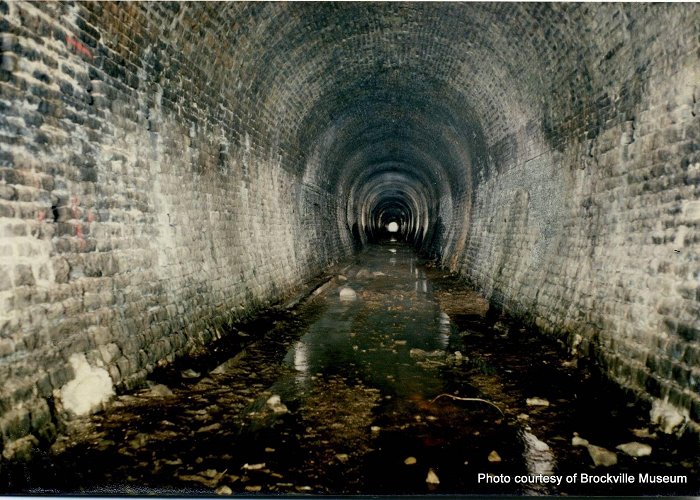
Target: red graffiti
78 46
79 234
74 210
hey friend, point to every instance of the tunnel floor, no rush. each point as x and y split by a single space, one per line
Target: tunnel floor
344 397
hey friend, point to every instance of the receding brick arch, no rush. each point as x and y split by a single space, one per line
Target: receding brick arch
166 168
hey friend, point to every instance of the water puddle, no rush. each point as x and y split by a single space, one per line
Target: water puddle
395 379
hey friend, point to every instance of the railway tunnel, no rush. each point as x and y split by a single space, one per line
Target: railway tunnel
170 170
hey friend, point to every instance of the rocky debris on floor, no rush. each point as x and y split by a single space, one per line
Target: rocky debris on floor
209 478
190 374
432 478
410 461
342 278
139 441
494 457
347 294
602 457
536 402
342 457
275 404
209 428
363 274
158 391
635 449
229 364
667 417
644 433
570 364
416 353
259 466
21 449
535 442
456 358
579 441
224 490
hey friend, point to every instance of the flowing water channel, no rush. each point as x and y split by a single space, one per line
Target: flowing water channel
406 386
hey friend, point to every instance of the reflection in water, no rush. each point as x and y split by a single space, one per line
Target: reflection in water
370 339
301 361
539 459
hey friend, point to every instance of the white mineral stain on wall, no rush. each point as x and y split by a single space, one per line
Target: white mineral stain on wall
88 390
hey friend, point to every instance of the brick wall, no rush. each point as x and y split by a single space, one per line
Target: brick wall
589 228
140 209
166 168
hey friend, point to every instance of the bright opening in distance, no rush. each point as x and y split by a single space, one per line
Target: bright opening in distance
392 227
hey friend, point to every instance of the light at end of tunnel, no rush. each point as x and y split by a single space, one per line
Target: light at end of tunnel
392 227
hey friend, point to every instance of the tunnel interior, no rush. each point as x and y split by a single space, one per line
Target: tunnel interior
170 168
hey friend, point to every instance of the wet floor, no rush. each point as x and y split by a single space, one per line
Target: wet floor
392 379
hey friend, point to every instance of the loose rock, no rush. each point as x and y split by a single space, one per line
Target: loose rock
602 457
666 417
224 490
537 402
189 374
536 443
432 477
347 294
253 466
410 461
275 404
644 433
363 274
494 456
579 441
635 449
209 428
159 390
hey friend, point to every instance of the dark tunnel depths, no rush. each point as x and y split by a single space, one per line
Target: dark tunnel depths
406 154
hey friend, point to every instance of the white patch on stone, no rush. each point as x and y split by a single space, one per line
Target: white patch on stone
602 457
666 417
635 449
276 405
88 390
535 443
579 441
347 293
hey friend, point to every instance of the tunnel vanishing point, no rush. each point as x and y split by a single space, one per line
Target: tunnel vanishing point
167 169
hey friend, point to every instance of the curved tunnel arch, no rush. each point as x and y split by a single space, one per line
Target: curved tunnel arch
230 151
503 107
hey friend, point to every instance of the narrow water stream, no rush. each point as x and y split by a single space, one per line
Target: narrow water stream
339 397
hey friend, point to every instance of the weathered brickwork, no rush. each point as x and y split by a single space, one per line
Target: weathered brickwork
140 210
166 168
591 231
